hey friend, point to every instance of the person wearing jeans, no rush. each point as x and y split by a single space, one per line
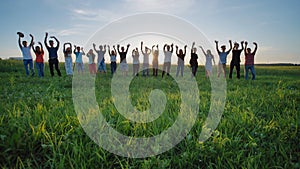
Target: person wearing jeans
249 61
53 57
39 52
27 57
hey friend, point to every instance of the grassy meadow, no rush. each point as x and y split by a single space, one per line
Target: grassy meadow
259 128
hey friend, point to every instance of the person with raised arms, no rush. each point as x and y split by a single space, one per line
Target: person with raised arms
209 57
249 60
135 62
155 53
223 57
39 61
194 60
123 61
68 58
113 60
236 59
101 60
168 51
79 63
146 54
53 56
180 62
27 57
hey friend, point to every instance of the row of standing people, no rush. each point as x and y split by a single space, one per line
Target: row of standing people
167 49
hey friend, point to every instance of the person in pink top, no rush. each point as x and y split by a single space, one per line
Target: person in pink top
249 60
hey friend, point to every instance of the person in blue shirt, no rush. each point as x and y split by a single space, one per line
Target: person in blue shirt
223 57
53 57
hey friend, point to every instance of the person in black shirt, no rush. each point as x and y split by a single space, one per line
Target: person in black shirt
53 57
180 62
123 62
235 61
193 60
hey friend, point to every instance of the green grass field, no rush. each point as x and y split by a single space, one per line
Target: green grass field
259 128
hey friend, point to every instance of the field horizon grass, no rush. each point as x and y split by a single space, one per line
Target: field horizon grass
259 128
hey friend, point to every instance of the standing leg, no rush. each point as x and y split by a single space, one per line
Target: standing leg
51 67
177 71
164 69
253 72
25 62
231 70
238 70
57 67
224 70
31 67
246 72
168 68
42 69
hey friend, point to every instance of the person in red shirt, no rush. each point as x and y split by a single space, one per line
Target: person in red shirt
249 60
39 61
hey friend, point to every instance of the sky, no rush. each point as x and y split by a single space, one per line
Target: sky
274 25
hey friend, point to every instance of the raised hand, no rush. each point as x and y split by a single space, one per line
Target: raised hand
255 43
194 43
230 41
185 46
128 45
52 37
216 41
176 47
246 43
118 46
46 33
40 43
31 35
94 44
157 46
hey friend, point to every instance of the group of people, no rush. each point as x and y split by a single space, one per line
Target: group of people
145 51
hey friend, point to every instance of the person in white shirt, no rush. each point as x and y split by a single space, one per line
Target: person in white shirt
168 50
27 57
135 62
146 54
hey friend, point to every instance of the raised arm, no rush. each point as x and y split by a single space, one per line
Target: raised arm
33 48
94 46
127 48
104 50
42 46
185 49
19 41
255 49
142 48
115 50
74 49
217 46
245 50
57 41
202 50
31 42
172 48
118 48
45 40
230 44
242 44
83 53
192 49
108 47
177 50
165 46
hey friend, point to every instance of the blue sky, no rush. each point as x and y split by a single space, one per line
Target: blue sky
274 25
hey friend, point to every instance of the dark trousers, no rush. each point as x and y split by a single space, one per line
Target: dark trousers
237 67
113 67
54 62
194 70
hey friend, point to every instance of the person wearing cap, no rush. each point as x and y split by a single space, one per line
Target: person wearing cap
223 57
27 57
53 57
235 61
